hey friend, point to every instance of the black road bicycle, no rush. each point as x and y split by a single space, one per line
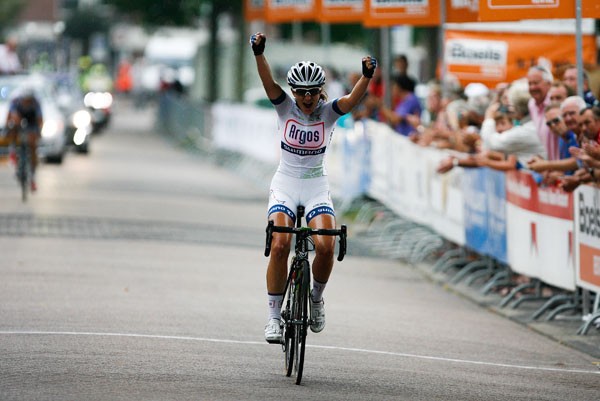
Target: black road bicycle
295 313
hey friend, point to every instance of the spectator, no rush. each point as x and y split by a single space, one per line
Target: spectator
570 110
559 92
9 59
570 79
406 116
540 81
590 124
567 164
498 160
400 68
521 140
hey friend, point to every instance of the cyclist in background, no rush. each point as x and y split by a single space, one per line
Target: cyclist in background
306 120
24 112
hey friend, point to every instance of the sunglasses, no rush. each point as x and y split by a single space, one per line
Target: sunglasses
555 120
307 91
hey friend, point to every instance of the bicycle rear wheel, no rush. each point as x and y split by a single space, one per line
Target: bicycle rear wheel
301 326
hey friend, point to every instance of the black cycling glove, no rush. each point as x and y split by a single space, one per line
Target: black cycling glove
260 48
369 72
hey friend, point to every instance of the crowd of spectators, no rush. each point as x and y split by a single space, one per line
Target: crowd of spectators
537 123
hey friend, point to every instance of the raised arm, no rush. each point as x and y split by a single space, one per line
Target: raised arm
351 100
272 88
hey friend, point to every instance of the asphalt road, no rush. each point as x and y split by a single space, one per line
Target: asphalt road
136 273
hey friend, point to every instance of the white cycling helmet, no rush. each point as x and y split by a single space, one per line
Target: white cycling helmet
306 74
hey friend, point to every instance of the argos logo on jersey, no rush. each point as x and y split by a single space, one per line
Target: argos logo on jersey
303 136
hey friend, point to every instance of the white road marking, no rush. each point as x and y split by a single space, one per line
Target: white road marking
334 348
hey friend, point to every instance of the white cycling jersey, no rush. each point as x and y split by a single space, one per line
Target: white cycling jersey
304 139
301 176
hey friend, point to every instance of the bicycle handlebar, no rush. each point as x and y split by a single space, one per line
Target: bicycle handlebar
341 232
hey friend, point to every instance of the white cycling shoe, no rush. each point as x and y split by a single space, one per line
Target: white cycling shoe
317 315
273 332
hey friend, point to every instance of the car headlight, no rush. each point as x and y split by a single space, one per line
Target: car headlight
51 128
98 100
81 119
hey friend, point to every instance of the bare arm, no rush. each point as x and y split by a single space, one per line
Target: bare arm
272 88
351 100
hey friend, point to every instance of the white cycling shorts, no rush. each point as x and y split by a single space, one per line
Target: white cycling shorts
287 193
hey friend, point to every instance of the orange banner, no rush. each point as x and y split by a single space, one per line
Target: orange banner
340 11
514 10
282 11
254 9
494 57
590 9
462 11
401 12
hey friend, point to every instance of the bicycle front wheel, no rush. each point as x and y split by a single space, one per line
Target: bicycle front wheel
301 326
289 330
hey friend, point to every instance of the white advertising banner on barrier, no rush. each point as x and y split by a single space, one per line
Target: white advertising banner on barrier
446 198
381 166
587 237
252 132
540 231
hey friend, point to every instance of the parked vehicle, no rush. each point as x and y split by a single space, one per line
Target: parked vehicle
97 86
79 125
52 144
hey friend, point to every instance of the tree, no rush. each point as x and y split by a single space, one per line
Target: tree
83 23
9 10
164 12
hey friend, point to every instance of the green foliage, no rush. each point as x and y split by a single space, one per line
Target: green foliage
164 12
9 10
82 23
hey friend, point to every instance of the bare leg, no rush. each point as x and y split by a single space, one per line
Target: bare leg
324 248
280 250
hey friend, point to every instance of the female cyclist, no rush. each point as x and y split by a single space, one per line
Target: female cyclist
306 122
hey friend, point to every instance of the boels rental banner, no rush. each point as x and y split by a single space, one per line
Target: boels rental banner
401 12
514 10
540 231
340 11
283 11
254 10
587 237
494 57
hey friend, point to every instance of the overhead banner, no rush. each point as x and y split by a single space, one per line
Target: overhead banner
402 12
514 10
340 11
458 11
587 237
283 11
254 10
494 57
